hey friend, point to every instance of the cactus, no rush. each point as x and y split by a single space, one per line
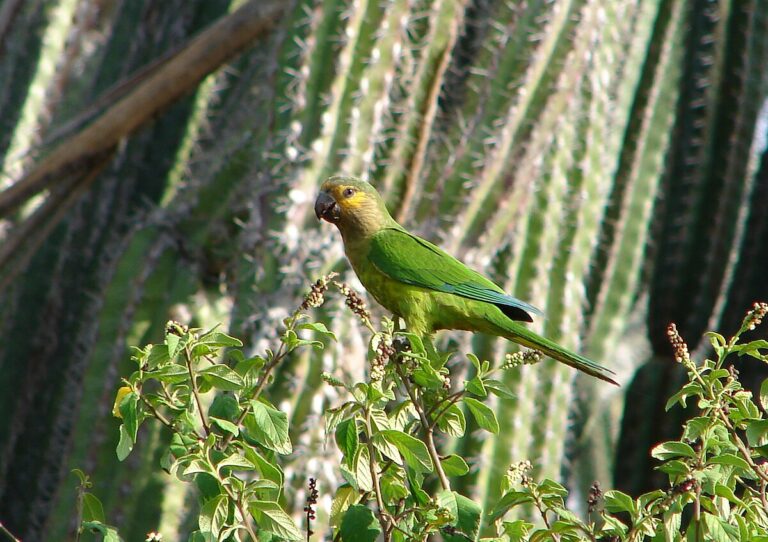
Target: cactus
572 149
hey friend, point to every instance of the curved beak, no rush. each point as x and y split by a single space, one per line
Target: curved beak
326 207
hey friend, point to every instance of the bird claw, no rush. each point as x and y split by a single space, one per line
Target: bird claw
401 344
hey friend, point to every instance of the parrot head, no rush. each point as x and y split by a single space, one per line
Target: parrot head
352 205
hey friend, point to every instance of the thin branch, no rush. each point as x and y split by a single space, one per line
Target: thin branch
175 78
8 533
195 392
383 516
427 426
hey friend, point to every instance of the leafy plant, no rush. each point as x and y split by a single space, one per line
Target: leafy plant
397 485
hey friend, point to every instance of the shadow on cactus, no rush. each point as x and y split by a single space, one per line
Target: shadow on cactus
394 482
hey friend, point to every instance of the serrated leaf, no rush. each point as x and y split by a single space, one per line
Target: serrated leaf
269 426
484 416
413 450
222 377
359 525
271 518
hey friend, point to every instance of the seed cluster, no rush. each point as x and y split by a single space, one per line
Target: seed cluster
354 301
529 357
678 345
315 297
594 496
755 316
518 472
172 327
384 352
311 501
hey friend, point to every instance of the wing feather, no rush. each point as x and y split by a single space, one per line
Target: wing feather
412 260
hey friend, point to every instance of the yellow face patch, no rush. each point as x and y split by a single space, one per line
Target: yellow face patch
347 200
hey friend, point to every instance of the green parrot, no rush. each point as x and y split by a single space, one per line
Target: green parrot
422 284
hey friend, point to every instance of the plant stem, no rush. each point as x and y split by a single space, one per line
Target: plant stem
383 516
188 359
428 429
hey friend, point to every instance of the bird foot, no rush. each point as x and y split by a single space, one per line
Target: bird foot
401 344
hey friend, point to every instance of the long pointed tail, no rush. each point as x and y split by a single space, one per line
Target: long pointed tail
524 336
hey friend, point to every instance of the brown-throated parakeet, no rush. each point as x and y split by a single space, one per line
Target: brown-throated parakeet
422 284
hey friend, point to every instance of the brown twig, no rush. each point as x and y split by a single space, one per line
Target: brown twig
175 78
427 427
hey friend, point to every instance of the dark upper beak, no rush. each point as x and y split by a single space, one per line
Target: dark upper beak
326 207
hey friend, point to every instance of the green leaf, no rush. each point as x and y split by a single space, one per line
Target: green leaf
269 426
318 327
446 499
158 355
764 395
92 508
125 445
268 469
213 515
236 462
173 343
484 416
108 532
454 465
345 496
467 522
222 377
509 500
517 530
129 412
476 386
499 388
616 501
273 519
671 449
359 525
172 373
347 439
413 450
689 390
225 425
225 407
217 338
362 472
452 421
757 430
730 459
718 530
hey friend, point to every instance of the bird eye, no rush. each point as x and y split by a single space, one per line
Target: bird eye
348 192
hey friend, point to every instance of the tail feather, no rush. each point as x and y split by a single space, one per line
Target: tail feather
524 336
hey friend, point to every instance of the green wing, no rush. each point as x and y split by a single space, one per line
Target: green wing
412 260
